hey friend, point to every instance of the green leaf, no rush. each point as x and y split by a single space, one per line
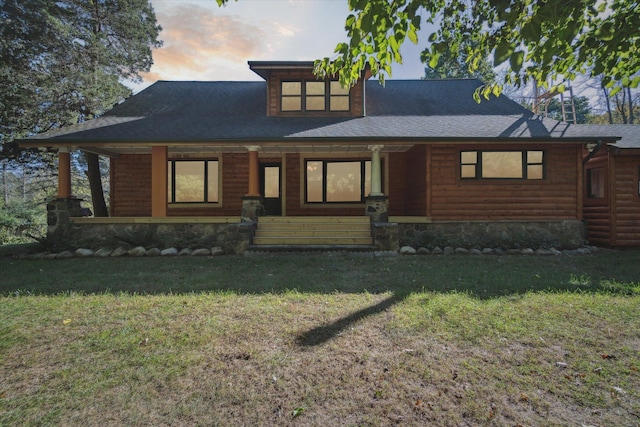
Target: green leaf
413 36
516 60
502 53
433 61
605 31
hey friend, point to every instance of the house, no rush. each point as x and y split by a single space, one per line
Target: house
293 160
612 188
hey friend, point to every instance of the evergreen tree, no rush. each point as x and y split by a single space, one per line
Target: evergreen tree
63 62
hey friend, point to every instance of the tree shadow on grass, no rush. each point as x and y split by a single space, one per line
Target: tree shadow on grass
324 333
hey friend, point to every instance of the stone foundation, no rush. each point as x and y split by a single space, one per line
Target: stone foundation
385 236
569 234
233 238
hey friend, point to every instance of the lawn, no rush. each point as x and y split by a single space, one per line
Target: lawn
321 340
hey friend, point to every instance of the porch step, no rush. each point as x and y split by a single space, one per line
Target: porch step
313 231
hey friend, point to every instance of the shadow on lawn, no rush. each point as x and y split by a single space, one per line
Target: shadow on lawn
322 334
479 277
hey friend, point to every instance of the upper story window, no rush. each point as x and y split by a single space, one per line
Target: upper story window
313 96
520 164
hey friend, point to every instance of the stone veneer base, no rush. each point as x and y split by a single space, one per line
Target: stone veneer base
569 234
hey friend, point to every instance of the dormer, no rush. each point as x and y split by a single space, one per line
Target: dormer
294 91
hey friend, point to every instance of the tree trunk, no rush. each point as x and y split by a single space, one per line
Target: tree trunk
630 106
606 98
5 190
95 182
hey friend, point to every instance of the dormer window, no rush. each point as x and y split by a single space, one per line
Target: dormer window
313 96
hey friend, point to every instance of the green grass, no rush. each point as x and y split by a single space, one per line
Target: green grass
321 340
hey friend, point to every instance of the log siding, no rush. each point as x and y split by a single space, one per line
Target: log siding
553 198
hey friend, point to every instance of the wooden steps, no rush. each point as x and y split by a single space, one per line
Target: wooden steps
313 231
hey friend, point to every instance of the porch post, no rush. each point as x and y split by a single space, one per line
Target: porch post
376 178
252 207
64 206
159 190
376 203
64 173
254 173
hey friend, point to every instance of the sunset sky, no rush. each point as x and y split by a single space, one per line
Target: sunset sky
205 42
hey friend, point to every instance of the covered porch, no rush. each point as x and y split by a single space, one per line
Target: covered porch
327 195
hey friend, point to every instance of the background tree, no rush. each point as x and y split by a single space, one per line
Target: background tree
64 62
583 110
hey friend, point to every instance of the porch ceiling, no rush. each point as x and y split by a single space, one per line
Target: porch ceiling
265 148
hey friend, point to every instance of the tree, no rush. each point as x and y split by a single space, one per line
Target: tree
536 40
455 67
64 62
623 107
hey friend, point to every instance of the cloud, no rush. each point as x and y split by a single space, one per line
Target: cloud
285 30
195 38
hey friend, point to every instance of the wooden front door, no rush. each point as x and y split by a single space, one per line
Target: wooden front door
271 188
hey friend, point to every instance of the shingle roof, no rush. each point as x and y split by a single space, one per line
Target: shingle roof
629 134
402 109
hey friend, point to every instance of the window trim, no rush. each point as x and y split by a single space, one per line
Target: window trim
203 203
524 165
328 96
325 161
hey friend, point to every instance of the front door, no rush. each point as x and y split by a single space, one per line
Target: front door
271 188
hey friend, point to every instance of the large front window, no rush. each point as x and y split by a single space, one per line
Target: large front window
521 164
193 181
337 181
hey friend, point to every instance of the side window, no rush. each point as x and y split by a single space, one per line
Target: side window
595 183
523 164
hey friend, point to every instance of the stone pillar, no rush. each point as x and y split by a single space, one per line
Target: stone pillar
252 208
376 208
64 173
252 202
159 190
376 170
59 211
254 171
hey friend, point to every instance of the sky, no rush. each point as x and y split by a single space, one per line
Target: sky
207 43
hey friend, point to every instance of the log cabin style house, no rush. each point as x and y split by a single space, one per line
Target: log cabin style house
294 160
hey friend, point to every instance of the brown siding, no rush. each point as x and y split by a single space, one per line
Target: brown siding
273 95
131 185
597 212
553 198
415 176
625 201
397 183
